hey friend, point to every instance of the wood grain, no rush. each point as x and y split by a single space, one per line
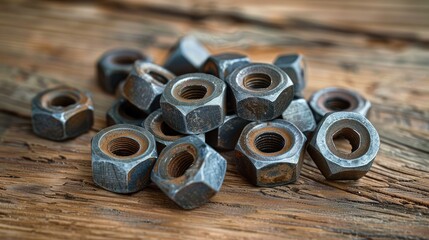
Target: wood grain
379 48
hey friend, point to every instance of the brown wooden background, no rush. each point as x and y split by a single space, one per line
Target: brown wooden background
380 48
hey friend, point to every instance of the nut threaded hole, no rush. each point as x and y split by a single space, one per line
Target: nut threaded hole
269 142
346 140
337 104
257 81
62 101
158 77
125 60
127 110
123 146
168 131
193 92
181 162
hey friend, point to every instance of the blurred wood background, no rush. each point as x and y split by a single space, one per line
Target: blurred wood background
380 48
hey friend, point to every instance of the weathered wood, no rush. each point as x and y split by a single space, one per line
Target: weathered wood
381 49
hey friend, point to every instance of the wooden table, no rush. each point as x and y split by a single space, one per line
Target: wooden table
379 48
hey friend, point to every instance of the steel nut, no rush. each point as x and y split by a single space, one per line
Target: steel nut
186 56
334 99
261 91
189 172
62 113
221 65
145 84
225 137
271 153
123 112
164 134
123 156
115 65
294 66
194 103
299 113
331 158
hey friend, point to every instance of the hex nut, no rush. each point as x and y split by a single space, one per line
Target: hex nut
225 137
334 99
194 103
189 172
115 65
261 91
164 134
145 84
123 112
300 114
294 66
221 65
186 56
123 156
333 162
270 154
62 113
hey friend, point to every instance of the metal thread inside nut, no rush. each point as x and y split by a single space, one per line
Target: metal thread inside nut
158 77
346 138
179 163
256 81
337 104
62 101
193 92
123 146
125 60
269 142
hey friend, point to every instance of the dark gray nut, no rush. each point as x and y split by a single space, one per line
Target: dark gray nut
194 103
261 91
335 99
62 113
225 137
123 156
186 56
294 66
164 134
189 172
123 111
221 65
271 153
332 158
299 113
120 90
145 84
115 65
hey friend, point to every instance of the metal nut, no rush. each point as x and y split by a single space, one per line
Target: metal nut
335 99
332 161
123 111
225 137
221 65
189 172
294 66
186 56
62 113
145 84
164 134
271 153
261 91
123 156
194 103
299 113
115 65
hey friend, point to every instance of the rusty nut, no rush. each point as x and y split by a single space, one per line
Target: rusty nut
194 103
164 134
221 65
62 113
186 56
123 112
261 91
333 160
189 172
123 156
115 65
334 99
294 66
145 84
299 113
271 153
225 137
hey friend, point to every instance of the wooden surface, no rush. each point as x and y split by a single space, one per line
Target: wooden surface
379 48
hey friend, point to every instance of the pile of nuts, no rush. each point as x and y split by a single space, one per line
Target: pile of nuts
168 121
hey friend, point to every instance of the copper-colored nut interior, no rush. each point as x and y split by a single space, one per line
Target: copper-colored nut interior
162 130
211 68
337 101
59 99
183 157
270 141
124 59
257 81
157 76
193 89
123 144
